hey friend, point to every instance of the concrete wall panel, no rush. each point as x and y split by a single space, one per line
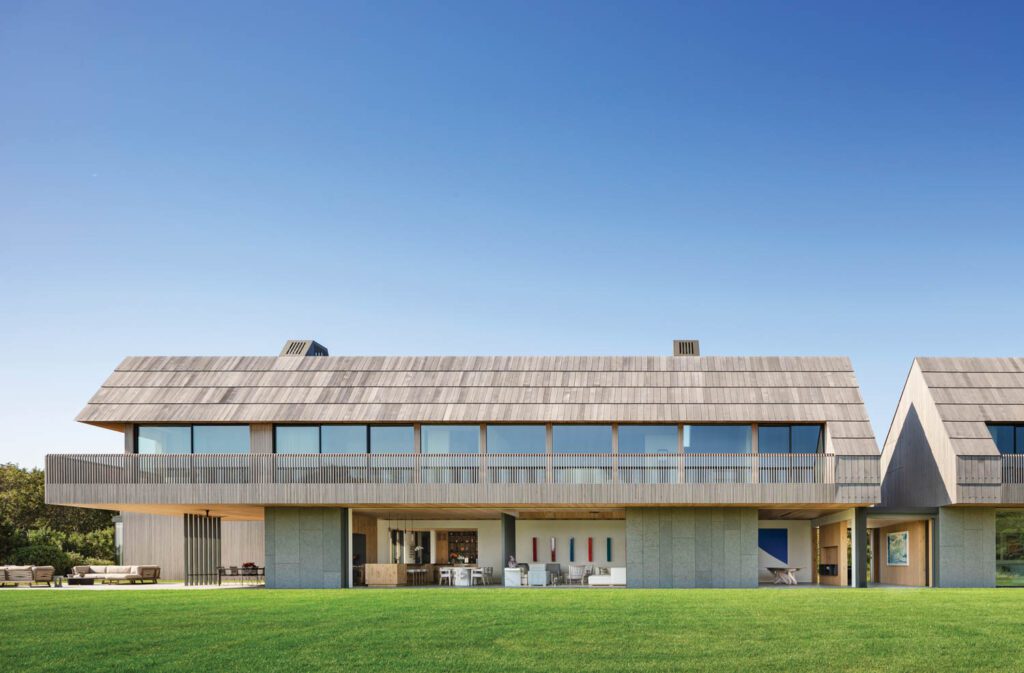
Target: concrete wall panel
306 547
967 547
691 547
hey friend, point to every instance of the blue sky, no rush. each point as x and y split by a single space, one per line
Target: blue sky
511 178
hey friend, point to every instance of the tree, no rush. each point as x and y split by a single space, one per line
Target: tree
34 533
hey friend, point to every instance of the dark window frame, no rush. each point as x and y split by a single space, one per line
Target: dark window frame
191 436
1015 440
789 426
686 425
320 434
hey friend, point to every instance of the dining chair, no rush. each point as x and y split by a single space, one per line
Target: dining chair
444 574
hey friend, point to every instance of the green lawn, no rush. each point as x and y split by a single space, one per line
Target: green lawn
481 630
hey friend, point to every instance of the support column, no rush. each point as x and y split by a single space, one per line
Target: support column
859 543
508 538
348 549
202 549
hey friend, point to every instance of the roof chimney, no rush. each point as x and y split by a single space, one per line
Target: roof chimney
685 347
302 347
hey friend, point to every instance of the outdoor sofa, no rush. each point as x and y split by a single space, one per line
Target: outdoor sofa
26 575
110 574
615 577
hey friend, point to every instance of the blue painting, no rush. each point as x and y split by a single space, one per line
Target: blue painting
775 543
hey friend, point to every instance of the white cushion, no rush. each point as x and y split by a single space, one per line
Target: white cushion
615 577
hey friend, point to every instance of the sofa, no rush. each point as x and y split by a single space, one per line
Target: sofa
616 577
26 575
110 574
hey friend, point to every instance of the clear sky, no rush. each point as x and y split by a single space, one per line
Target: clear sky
502 178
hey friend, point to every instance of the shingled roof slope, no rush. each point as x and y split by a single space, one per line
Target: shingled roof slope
494 389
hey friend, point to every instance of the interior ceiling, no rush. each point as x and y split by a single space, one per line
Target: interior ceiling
255 512
475 513
884 522
792 514
227 512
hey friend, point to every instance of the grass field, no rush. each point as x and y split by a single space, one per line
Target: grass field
482 630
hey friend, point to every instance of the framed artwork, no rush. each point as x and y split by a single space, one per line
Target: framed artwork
897 548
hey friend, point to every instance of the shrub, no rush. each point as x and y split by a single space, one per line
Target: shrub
96 543
76 559
41 555
46 536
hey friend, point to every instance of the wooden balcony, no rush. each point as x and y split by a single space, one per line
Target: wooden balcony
993 479
462 479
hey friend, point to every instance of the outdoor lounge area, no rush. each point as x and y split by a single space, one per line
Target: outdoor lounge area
26 575
113 574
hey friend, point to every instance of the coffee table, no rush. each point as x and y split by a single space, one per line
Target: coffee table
83 581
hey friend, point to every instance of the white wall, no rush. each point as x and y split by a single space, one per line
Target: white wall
562 530
488 537
800 552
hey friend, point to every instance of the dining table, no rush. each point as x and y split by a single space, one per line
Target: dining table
462 576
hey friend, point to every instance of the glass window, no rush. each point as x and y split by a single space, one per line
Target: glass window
717 438
807 439
789 439
164 439
297 439
648 439
517 439
1002 435
773 439
450 439
220 439
391 439
1020 439
582 439
343 439
1010 549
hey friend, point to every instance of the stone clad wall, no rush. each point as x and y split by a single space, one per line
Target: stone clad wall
967 547
691 547
306 547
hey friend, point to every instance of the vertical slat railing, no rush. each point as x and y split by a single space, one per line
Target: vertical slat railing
501 468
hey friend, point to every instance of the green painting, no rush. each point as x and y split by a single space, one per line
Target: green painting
897 548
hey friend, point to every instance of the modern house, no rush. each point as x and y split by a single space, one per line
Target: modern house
676 471
955 457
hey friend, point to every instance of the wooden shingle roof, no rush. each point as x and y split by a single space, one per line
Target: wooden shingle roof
969 393
516 389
